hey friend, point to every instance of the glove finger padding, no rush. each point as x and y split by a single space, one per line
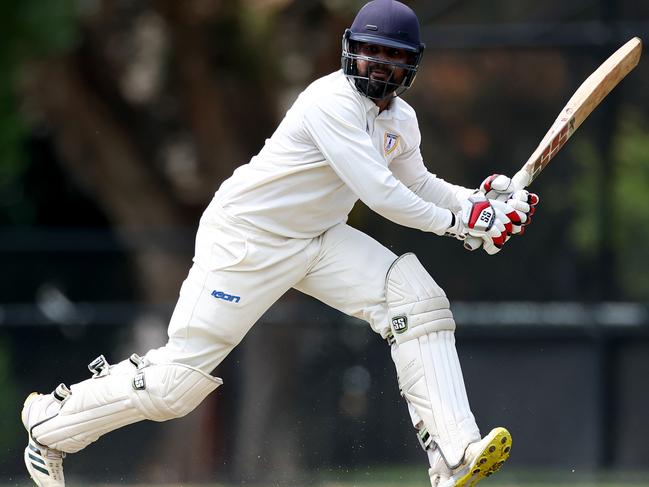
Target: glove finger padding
486 242
489 246
512 216
501 230
524 203
497 187
472 243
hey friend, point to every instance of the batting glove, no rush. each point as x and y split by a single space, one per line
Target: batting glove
500 187
488 220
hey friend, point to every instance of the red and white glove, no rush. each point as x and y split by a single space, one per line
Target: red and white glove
500 187
497 187
488 220
524 203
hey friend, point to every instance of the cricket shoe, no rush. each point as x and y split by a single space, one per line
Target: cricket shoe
438 472
438 479
45 465
481 459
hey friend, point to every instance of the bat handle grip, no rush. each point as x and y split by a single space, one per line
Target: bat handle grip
521 179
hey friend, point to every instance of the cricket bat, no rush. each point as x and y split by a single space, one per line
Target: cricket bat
581 104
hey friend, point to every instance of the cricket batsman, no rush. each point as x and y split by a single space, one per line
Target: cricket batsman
279 222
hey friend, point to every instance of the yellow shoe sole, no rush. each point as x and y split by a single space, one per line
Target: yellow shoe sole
490 459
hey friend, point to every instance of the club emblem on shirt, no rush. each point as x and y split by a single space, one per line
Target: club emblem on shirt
390 142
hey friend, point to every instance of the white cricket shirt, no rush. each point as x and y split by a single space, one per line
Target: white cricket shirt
333 148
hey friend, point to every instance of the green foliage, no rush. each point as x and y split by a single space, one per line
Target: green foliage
630 186
36 28
631 231
584 227
29 29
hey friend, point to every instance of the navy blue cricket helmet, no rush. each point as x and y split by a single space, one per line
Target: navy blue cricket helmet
386 23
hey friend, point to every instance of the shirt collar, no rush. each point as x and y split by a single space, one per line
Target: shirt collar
370 106
392 112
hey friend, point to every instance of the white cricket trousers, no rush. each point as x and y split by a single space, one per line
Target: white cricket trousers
239 271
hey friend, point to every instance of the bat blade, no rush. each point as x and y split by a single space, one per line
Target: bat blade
582 103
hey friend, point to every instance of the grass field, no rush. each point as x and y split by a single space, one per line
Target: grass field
414 477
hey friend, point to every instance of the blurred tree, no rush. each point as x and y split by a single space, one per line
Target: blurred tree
629 187
28 29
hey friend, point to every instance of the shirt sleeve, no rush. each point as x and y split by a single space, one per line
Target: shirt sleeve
410 169
339 136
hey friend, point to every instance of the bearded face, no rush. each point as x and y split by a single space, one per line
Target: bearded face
379 80
379 69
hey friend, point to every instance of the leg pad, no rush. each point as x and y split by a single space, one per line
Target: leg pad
428 368
115 396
